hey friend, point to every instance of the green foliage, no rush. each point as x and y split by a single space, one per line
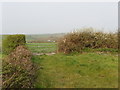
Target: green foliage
18 71
10 42
87 38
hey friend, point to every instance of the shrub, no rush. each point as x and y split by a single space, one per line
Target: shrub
18 70
87 38
10 42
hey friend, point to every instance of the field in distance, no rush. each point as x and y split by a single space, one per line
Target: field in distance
44 37
42 47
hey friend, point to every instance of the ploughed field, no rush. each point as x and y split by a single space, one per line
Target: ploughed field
90 69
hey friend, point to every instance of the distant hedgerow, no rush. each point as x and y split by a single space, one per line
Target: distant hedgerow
10 42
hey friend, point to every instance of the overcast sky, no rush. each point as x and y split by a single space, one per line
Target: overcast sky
50 17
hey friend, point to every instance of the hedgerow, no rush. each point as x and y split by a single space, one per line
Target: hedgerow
18 71
87 38
10 42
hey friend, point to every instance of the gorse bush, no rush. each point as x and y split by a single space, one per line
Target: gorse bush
10 42
87 38
18 71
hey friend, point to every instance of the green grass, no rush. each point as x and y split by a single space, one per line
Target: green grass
0 55
111 50
42 47
87 70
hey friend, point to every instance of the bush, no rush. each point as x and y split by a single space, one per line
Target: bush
18 69
10 42
87 38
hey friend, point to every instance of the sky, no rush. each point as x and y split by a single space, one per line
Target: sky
57 17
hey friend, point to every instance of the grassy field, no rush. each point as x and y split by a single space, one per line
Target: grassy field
87 70
44 37
42 47
90 69
0 55
93 68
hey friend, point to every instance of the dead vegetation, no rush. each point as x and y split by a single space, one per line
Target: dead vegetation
18 69
87 38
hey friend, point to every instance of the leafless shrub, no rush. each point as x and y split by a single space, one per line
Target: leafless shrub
87 38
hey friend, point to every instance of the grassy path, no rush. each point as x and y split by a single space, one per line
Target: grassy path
87 70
